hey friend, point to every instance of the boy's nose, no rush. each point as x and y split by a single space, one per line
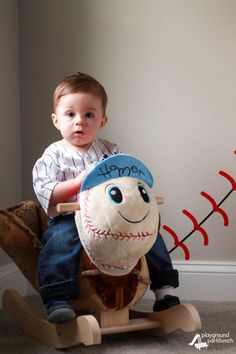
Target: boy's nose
79 120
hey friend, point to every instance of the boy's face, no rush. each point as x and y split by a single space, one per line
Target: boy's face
79 117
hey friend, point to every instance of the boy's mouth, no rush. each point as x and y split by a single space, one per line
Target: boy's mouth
79 132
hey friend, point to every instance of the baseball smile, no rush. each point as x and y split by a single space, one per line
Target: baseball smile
132 221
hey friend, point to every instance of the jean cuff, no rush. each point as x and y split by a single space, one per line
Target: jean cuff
68 289
164 278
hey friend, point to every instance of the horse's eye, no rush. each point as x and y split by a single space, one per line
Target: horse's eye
144 193
115 194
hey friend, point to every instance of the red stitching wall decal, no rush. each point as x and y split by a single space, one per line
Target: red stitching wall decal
177 242
229 178
216 208
197 226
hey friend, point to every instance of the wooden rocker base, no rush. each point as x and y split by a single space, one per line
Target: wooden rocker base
89 329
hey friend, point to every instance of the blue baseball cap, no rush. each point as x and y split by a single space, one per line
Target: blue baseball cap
116 166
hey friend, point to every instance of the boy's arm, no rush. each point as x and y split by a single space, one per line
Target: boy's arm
64 190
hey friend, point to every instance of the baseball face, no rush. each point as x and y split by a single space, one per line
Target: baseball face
117 223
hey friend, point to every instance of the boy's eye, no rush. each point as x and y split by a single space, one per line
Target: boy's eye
70 114
89 115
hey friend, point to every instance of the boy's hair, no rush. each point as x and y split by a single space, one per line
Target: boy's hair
80 82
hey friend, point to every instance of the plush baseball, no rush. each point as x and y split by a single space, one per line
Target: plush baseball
118 217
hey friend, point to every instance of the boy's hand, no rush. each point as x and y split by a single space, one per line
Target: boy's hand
64 190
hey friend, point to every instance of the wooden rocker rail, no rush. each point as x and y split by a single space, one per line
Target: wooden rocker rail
89 329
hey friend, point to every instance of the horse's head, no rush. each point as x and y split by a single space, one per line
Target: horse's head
118 217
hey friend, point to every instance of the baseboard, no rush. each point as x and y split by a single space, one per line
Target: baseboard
201 281
11 277
205 281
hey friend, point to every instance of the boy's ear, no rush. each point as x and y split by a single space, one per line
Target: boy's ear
55 120
104 121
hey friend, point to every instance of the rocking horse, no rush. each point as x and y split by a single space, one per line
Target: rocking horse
117 220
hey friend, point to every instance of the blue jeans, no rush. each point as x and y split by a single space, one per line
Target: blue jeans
161 271
59 260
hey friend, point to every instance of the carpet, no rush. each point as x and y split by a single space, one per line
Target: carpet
218 331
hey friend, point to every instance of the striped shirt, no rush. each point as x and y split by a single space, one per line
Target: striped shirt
59 164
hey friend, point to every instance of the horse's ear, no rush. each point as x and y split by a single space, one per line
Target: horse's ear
21 228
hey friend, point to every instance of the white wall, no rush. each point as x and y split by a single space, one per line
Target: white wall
169 69
10 144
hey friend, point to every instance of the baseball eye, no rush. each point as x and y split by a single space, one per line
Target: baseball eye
144 194
115 194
